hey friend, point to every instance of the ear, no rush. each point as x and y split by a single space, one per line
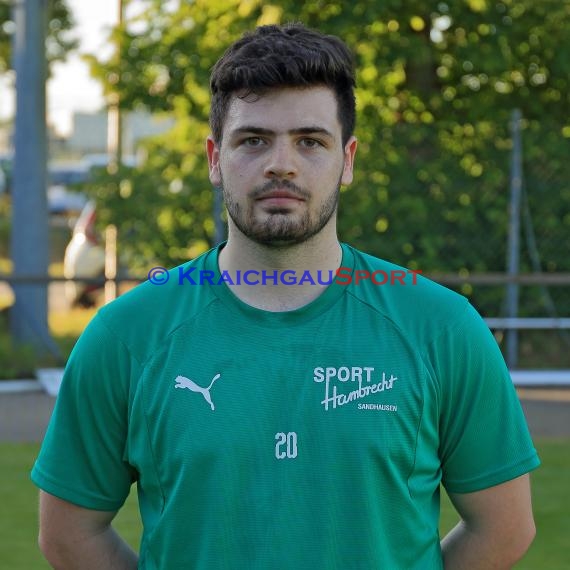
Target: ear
213 152
349 152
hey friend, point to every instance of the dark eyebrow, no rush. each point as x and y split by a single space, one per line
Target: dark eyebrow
310 130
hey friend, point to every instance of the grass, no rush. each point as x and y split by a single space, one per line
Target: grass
18 516
551 504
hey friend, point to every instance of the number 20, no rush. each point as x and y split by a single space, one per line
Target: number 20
287 440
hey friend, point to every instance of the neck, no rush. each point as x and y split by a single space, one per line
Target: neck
319 253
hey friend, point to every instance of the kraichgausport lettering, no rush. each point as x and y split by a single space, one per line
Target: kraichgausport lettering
342 276
345 276
186 276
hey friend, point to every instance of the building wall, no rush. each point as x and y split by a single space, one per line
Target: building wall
89 134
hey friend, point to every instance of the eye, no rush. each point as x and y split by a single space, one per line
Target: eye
253 142
310 143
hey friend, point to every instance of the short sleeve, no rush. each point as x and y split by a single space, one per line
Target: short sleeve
82 458
484 438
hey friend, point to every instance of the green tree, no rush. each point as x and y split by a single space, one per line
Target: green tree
58 42
436 87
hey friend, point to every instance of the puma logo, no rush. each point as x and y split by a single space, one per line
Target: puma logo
183 382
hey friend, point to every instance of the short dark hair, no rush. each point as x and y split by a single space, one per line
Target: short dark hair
290 55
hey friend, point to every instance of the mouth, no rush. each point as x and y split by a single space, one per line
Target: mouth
279 197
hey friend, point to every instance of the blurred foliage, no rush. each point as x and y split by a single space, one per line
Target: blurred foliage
58 40
21 360
17 360
437 84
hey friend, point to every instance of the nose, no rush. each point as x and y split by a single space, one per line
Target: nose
281 162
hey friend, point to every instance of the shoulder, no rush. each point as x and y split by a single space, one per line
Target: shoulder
421 308
143 318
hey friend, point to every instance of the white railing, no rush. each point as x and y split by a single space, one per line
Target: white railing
534 377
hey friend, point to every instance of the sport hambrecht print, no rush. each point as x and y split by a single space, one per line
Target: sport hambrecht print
375 382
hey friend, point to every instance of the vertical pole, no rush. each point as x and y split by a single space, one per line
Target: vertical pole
29 238
114 131
110 263
513 253
114 116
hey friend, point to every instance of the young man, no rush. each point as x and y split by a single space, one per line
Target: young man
273 417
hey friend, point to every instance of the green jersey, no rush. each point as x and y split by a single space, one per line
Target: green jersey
312 438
